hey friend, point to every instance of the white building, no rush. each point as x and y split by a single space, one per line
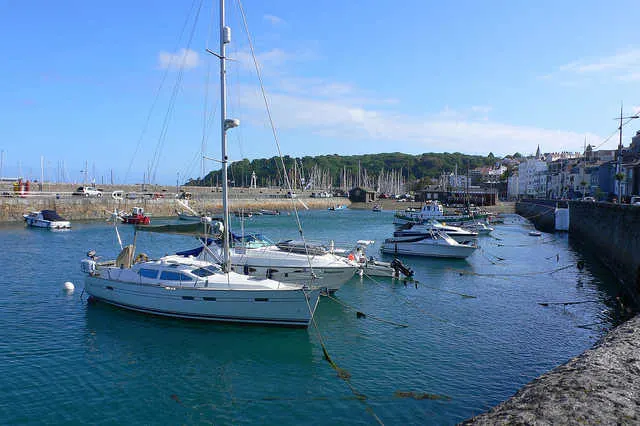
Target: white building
532 178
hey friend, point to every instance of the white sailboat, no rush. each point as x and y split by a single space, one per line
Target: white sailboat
185 287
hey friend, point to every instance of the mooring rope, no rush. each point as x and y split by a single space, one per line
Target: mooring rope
524 274
407 300
342 373
360 313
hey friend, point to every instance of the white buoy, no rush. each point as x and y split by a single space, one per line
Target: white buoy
69 287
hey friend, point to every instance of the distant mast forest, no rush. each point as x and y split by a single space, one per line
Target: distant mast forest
389 172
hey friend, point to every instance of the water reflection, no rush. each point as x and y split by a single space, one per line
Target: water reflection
121 331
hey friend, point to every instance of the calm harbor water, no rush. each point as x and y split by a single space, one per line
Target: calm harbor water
63 360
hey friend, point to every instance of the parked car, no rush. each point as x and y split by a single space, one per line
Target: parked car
88 191
132 195
635 200
588 199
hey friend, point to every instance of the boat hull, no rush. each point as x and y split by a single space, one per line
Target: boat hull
38 223
291 308
326 277
426 248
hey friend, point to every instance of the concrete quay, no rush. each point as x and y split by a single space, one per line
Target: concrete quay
157 201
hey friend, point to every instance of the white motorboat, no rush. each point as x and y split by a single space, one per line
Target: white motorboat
287 261
433 210
46 219
435 244
480 227
461 235
186 287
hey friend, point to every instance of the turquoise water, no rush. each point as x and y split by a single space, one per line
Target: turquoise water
64 360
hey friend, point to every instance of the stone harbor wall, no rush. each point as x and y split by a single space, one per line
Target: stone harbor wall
600 386
610 231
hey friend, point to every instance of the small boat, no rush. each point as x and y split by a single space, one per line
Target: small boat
243 213
136 217
46 219
535 233
337 207
435 244
267 212
377 208
433 210
188 216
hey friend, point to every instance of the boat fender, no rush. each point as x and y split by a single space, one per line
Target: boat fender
351 256
245 269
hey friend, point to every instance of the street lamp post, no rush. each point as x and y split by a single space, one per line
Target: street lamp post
619 176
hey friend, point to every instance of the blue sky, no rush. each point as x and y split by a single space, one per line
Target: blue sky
79 79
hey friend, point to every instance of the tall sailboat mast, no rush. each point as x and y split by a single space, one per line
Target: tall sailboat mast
225 124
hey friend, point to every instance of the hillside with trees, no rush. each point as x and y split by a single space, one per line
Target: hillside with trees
337 171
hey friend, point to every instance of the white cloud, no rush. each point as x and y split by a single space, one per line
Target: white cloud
622 66
273 20
185 58
451 130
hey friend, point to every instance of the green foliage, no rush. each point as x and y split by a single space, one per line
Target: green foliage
415 167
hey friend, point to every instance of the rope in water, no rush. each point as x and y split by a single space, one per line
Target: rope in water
406 300
342 373
346 305
524 274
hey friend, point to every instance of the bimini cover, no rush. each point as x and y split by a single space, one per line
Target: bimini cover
51 215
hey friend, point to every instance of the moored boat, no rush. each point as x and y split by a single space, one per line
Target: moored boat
461 235
433 210
287 261
136 217
185 287
49 219
436 244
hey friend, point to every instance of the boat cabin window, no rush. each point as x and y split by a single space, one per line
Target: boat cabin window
204 272
148 273
174 276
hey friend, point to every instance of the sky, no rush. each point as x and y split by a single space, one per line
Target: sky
125 89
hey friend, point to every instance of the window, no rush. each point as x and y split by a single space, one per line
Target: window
174 276
204 272
148 273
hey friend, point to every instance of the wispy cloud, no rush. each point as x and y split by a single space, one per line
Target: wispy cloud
273 20
183 58
354 119
621 66
347 122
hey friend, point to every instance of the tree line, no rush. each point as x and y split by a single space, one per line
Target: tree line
413 168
